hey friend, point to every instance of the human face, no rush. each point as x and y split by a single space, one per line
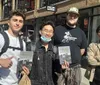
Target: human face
47 31
15 24
72 19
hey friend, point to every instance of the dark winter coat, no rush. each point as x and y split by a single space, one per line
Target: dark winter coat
41 73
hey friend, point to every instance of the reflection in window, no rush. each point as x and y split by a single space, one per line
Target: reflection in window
7 7
26 5
3 27
96 23
49 2
84 22
96 10
28 36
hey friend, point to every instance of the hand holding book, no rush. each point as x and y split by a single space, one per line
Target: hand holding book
65 65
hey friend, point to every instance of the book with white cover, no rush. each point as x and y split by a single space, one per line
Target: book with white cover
64 54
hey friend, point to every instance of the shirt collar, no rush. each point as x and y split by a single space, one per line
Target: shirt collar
39 45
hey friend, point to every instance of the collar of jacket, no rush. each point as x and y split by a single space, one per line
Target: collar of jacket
40 45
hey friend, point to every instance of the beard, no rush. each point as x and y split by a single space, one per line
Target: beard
71 24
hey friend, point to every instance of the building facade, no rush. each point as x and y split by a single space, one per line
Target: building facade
36 11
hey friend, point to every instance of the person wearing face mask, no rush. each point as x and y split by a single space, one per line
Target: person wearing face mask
44 56
72 36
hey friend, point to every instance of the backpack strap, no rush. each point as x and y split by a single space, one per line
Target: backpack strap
21 43
6 44
18 48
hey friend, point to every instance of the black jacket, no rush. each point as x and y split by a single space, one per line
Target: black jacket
41 72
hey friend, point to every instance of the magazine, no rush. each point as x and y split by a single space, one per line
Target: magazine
64 54
25 59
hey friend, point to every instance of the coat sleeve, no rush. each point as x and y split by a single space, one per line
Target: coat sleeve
92 51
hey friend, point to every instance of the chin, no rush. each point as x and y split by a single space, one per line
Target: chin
72 24
16 31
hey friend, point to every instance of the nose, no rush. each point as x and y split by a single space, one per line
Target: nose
72 17
47 34
17 24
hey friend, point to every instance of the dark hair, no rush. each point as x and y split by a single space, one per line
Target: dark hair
47 23
17 13
98 29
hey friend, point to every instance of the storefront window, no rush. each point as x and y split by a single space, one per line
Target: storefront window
60 19
3 27
96 23
96 11
84 21
49 2
25 5
89 21
7 7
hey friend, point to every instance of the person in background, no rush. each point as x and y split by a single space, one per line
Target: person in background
41 71
94 59
72 36
9 59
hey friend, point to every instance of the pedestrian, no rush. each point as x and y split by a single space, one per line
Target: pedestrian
41 71
72 36
9 58
94 59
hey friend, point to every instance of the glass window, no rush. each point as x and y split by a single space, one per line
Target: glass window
49 2
84 21
96 11
3 27
89 23
60 19
29 34
26 5
7 7
96 23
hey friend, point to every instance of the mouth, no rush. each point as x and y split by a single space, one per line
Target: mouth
17 27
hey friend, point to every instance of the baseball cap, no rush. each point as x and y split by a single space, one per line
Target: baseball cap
73 10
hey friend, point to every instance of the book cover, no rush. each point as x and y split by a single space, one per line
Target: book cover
25 59
64 54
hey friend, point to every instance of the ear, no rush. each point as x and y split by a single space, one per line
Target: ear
40 32
8 23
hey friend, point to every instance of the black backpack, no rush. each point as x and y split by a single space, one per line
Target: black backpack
6 44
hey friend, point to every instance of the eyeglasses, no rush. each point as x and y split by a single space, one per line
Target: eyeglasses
47 31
